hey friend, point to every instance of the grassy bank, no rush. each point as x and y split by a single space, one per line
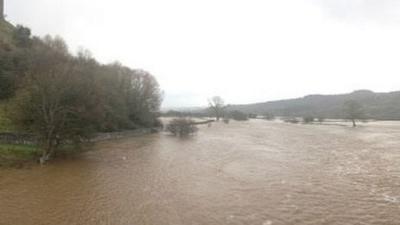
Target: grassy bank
14 154
5 123
17 155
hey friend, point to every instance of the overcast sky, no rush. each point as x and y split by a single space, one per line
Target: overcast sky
243 50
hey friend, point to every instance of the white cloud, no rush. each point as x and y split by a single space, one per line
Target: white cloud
381 11
245 51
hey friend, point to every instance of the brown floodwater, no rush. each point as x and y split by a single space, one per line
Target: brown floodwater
256 172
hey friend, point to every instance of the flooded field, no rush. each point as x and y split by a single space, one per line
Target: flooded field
256 172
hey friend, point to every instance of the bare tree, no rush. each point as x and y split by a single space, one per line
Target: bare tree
52 104
353 111
217 105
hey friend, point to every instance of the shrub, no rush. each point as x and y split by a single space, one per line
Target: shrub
252 116
308 119
269 116
181 127
239 116
226 120
291 120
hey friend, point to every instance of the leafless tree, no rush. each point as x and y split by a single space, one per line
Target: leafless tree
353 111
217 106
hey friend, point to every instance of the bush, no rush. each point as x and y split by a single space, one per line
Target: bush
308 119
226 120
291 120
252 116
269 116
239 116
181 127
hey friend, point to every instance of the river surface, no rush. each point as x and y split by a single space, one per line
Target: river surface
256 172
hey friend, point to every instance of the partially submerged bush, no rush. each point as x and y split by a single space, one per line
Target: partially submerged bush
252 116
308 119
269 116
239 116
226 120
291 120
181 127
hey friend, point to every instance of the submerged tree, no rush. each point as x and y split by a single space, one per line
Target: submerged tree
353 111
217 106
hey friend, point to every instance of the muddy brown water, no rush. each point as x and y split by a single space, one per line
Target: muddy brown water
255 172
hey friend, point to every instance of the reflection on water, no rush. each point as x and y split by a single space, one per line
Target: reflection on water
253 172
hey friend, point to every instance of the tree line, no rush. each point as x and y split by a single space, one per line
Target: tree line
60 97
352 111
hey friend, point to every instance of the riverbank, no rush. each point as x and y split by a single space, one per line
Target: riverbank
15 154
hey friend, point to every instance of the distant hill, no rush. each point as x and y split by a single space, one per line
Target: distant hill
384 106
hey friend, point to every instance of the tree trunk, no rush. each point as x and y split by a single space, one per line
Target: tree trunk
45 157
47 151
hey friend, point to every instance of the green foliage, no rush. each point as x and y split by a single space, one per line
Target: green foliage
18 150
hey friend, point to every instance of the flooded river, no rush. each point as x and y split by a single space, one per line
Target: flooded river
256 172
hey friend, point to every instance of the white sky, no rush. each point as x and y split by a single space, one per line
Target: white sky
243 50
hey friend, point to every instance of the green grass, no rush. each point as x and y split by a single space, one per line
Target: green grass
16 155
18 150
19 155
